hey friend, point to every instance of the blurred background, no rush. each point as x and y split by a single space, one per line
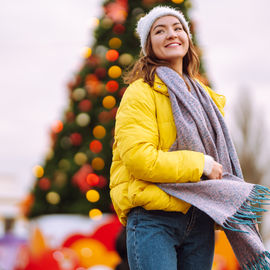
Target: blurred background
43 44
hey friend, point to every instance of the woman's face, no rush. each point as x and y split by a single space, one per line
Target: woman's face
169 40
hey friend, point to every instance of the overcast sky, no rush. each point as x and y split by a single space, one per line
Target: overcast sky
40 46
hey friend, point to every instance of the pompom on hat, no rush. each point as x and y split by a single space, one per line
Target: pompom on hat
145 23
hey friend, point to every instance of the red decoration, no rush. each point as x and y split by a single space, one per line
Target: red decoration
119 28
112 86
72 239
95 146
117 11
112 55
52 259
92 179
100 72
76 138
113 112
85 105
93 61
104 117
102 182
70 117
80 177
44 183
122 91
108 233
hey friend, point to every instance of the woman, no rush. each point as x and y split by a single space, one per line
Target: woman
163 232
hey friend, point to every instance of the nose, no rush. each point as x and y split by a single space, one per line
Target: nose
171 33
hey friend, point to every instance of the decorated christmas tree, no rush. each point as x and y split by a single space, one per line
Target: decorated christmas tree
75 175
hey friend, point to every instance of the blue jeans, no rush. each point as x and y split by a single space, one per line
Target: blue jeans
159 240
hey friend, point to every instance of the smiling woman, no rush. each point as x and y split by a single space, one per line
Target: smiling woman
175 171
146 111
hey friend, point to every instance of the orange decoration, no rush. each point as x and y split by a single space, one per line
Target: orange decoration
112 86
99 131
92 179
98 164
92 84
37 242
112 55
108 102
96 146
57 126
224 253
26 204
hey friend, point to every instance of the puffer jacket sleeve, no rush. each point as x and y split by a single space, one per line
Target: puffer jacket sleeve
137 139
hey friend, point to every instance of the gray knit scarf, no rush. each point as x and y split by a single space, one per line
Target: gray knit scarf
230 202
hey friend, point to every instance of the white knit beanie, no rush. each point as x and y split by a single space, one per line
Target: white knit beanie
145 23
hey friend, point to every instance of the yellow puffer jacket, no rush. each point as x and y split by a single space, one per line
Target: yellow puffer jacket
144 132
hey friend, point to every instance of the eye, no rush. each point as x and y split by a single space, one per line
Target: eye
159 31
178 28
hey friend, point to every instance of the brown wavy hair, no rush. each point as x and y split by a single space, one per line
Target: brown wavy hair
145 66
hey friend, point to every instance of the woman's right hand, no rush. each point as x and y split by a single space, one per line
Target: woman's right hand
216 172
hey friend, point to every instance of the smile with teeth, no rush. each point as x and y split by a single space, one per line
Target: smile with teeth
173 45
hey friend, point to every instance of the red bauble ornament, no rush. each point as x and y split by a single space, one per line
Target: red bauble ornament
119 28
92 179
104 117
70 117
100 72
112 55
44 183
95 146
107 234
113 112
122 91
79 178
85 105
112 86
102 182
76 139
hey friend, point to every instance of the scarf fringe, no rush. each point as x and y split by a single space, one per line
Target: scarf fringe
259 263
247 214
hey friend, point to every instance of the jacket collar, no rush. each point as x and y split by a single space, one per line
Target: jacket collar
160 86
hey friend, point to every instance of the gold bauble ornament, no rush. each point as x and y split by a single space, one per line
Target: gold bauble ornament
108 102
78 94
83 119
64 164
106 23
92 195
177 1
114 72
125 59
115 43
80 158
53 197
38 171
98 164
95 214
99 132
